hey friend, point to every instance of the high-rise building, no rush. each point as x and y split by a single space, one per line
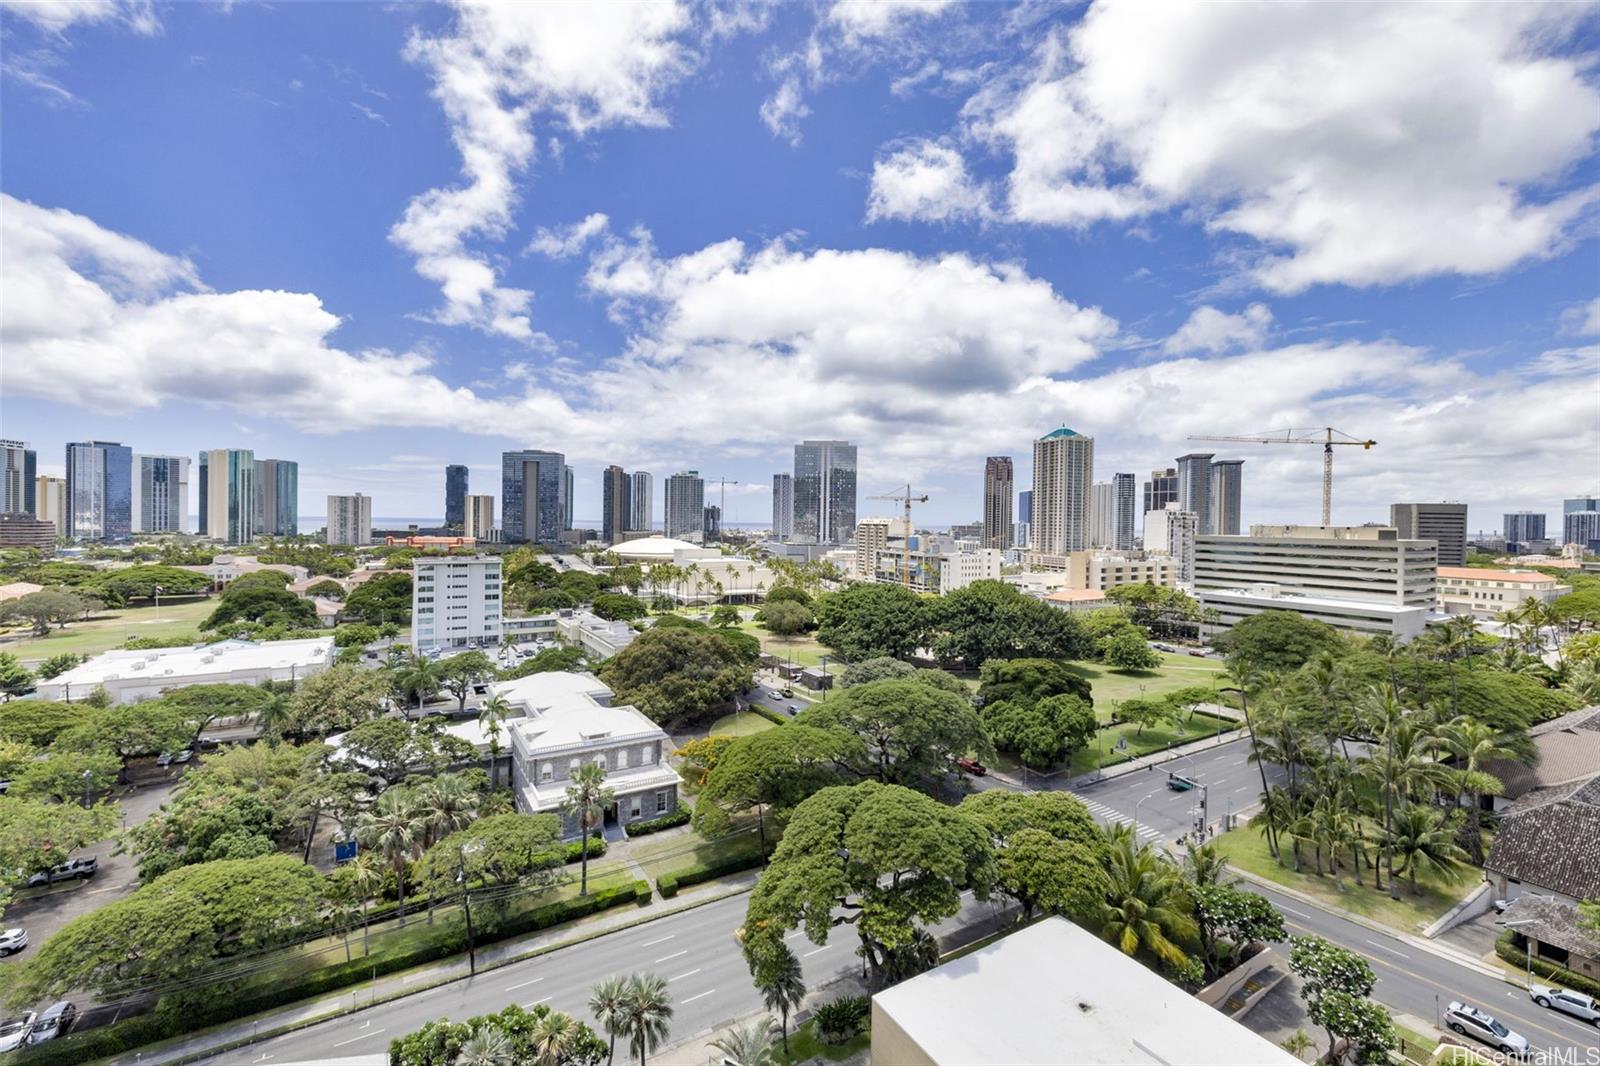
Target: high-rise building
1102 514
19 475
1172 531
998 484
455 601
1160 490
228 495
477 514
50 502
712 524
782 506
1524 527
1194 487
1366 563
686 505
616 499
1126 489
455 496
350 519
1227 485
1580 503
99 491
1443 523
160 494
1025 506
277 499
533 496
1582 528
1063 470
824 491
568 496
642 504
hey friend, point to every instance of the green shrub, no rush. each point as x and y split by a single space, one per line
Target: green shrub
667 885
769 714
679 816
1507 949
693 875
597 847
642 894
842 1020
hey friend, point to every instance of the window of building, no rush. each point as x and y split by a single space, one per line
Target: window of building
547 771
573 766
661 800
622 758
636 811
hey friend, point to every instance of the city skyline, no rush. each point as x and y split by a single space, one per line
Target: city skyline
387 339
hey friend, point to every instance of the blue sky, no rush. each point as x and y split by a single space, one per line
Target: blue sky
380 238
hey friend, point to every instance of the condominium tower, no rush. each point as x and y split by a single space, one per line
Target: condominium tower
1227 486
1063 470
50 502
1025 506
1524 527
998 483
455 496
350 519
1126 489
160 494
1194 486
455 602
782 506
228 495
1160 490
99 491
616 498
533 496
568 496
824 491
477 514
641 502
1102 514
277 500
19 474
686 505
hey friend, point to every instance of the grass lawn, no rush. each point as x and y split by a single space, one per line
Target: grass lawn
1153 738
740 725
1247 849
805 1046
804 651
1175 672
110 628
664 853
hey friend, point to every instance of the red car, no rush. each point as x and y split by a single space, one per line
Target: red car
973 767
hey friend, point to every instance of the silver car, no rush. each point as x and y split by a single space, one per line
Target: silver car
1580 1006
13 1031
13 940
1466 1020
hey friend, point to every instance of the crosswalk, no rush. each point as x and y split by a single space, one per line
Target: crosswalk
1106 814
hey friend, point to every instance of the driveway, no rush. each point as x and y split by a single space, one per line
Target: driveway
1477 936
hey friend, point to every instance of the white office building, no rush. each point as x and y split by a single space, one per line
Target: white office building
132 676
478 518
350 519
1371 563
455 601
1366 617
1171 531
1101 570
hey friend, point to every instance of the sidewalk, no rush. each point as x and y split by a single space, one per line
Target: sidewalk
395 985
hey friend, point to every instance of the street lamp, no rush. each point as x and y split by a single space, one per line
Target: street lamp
1136 803
462 851
824 679
88 776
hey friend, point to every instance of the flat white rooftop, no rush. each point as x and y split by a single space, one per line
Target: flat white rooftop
1055 993
200 660
569 709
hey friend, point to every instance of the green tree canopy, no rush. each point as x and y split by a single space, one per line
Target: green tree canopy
15 679
460 672
47 607
257 602
36 834
866 621
333 700
787 618
546 661
907 731
327 588
675 675
772 770
882 668
385 598
993 620
130 583
1127 649
1281 641
1049 852
515 1036
1029 680
617 606
502 849
1041 734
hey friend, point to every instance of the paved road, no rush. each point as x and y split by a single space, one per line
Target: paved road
695 950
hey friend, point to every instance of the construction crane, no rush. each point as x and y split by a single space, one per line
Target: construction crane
722 500
907 499
1327 436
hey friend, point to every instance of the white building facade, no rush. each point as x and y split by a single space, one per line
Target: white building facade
455 601
132 676
350 519
1063 470
1171 531
1486 594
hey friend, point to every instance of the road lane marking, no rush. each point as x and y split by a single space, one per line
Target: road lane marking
661 940
524 984
808 954
353 1039
797 932
1298 914
681 976
702 995
674 955
1386 947
536 1002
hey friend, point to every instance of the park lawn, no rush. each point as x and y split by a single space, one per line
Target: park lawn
1175 672
805 651
665 853
1247 849
1154 738
806 1046
740 725
111 627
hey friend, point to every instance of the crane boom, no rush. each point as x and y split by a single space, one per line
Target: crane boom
907 499
1327 436
722 498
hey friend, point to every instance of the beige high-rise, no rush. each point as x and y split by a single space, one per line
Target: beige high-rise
1063 471
478 517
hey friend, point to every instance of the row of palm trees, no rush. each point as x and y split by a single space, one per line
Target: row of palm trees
404 823
637 1008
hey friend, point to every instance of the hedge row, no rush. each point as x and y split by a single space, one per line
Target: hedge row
678 816
1506 949
416 902
668 884
642 893
438 942
769 714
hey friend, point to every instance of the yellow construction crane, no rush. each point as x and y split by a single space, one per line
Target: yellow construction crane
1327 436
907 499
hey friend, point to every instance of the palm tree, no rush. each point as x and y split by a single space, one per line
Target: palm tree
749 1044
393 828
1145 903
494 711
646 1010
1424 837
552 1037
587 800
486 1047
1583 681
1275 819
446 805
366 876
417 678
275 717
1206 865
1323 682
1476 744
782 987
606 1002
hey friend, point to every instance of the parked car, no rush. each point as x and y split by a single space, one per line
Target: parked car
1465 1020
172 758
973 767
55 1020
80 869
1197 653
13 1031
206 744
1168 648
1580 1006
13 941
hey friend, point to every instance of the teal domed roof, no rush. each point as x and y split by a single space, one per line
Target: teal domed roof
1059 433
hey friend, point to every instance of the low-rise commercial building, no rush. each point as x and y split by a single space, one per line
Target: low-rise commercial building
1366 617
19 530
1485 593
1053 993
691 573
455 601
1107 570
600 638
563 720
131 676
934 568
1077 599
1368 563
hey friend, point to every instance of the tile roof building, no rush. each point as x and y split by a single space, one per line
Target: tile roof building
1549 845
1567 753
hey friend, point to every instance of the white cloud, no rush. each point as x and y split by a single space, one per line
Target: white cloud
1211 330
926 180
499 69
1356 144
863 21
56 16
366 111
1583 319
564 242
